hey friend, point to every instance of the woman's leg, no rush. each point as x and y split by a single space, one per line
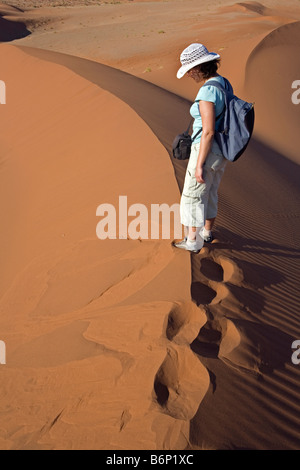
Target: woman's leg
212 203
195 208
191 215
192 233
209 223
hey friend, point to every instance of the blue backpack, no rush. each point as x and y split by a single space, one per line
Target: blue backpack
236 127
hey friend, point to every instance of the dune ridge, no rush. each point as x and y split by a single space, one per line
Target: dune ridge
119 36
277 58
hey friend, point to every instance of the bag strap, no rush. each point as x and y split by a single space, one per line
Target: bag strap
197 133
188 129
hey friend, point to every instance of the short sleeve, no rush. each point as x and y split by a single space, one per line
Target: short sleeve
208 93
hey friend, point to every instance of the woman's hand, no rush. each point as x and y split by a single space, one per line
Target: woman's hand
199 174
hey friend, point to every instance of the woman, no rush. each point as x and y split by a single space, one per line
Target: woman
199 200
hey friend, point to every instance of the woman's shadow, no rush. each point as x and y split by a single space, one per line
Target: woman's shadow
225 238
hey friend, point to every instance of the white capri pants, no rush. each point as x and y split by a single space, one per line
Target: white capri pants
199 201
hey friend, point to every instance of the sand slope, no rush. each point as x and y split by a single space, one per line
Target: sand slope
123 344
277 59
58 278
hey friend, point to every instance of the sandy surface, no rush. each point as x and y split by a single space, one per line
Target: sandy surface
130 344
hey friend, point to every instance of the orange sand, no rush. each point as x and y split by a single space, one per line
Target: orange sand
130 344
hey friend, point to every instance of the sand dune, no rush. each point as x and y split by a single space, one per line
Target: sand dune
54 265
277 59
120 36
10 27
128 344
254 7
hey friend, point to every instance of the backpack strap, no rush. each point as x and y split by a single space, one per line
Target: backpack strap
227 89
220 87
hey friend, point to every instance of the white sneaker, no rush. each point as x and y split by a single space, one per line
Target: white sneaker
186 244
206 235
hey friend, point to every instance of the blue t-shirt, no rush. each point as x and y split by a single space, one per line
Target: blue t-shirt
214 95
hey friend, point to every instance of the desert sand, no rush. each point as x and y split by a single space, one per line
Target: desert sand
124 344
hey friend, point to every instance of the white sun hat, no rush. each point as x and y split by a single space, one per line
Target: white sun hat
193 55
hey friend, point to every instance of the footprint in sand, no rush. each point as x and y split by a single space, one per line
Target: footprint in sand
238 342
210 291
182 380
201 328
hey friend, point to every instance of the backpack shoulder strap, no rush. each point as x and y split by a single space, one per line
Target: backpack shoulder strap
228 88
214 83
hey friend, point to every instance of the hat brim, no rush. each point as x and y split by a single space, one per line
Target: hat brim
208 58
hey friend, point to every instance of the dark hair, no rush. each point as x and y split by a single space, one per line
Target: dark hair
209 68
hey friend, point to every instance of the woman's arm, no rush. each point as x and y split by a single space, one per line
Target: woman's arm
207 111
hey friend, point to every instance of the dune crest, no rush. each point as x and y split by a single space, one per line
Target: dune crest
275 61
254 7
